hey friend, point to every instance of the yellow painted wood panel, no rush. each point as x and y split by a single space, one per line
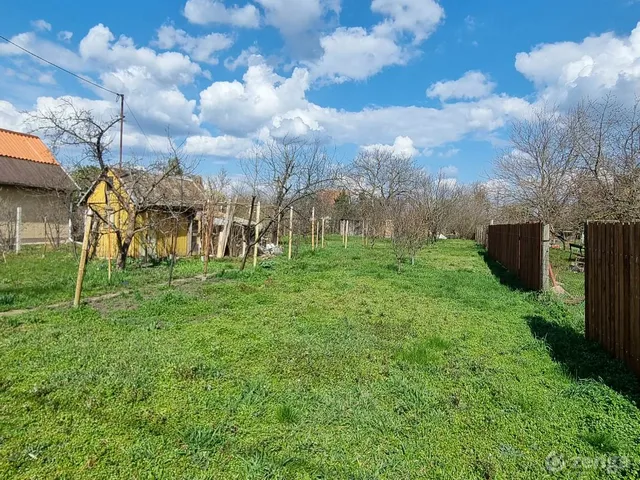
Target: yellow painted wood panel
155 241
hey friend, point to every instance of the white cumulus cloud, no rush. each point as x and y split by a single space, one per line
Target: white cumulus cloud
418 17
471 85
356 54
205 12
65 35
226 146
401 146
41 25
243 107
568 71
292 17
201 49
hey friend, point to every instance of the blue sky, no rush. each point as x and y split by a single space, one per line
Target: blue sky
438 80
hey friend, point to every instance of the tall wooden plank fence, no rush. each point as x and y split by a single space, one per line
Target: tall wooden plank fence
612 288
523 249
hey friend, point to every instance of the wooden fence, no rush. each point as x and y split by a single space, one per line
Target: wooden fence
523 249
612 288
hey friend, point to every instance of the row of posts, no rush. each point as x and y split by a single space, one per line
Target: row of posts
317 237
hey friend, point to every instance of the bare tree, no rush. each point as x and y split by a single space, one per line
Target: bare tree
282 173
67 125
537 170
379 178
472 207
410 230
607 135
8 225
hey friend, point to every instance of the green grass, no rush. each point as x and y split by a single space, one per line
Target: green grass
33 278
572 282
331 366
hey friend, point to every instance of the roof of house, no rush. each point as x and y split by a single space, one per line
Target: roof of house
155 190
26 161
23 146
166 191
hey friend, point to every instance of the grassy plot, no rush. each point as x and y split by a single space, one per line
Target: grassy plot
331 366
572 282
34 278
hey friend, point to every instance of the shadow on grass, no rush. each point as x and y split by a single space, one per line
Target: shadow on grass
505 276
582 358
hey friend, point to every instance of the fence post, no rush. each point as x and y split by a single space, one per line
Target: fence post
313 227
83 257
544 271
18 229
290 230
255 247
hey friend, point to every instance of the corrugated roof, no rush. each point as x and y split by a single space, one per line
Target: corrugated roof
34 174
156 190
23 146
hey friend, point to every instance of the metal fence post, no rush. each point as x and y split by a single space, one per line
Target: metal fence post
18 229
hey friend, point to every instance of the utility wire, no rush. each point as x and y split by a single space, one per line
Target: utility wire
140 127
59 67
90 82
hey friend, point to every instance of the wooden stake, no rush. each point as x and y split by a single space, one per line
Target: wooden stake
83 257
108 212
317 234
207 221
226 232
222 242
313 224
346 235
323 232
290 231
255 247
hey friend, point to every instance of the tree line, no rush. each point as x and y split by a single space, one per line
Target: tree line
567 167
561 167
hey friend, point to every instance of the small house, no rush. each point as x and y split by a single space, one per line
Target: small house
35 192
168 211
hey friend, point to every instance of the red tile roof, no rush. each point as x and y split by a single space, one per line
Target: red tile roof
23 146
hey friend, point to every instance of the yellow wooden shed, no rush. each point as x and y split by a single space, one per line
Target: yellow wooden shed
168 211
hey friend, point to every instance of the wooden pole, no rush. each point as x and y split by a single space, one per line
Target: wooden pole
313 224
83 257
121 126
18 229
317 233
290 231
109 244
255 247
228 222
346 235
207 238
323 219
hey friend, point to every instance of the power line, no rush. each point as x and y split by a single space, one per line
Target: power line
140 127
90 82
59 67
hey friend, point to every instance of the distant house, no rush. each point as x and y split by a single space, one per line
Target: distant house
169 210
32 182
